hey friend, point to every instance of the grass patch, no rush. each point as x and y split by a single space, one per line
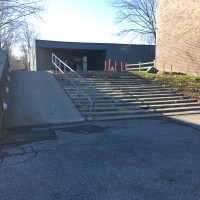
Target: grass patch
185 84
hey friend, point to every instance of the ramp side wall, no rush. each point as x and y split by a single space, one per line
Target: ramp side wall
4 64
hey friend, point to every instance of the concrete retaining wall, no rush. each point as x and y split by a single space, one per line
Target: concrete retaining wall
4 64
178 36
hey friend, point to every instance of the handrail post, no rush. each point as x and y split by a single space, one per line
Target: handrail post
91 92
71 82
64 75
90 110
79 86
56 68
60 68
52 61
94 91
126 67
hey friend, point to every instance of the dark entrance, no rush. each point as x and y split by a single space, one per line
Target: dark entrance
74 58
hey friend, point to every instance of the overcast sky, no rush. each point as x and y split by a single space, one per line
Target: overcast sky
80 21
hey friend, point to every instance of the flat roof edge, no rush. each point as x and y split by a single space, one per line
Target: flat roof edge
86 43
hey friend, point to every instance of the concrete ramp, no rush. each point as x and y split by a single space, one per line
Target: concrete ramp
36 98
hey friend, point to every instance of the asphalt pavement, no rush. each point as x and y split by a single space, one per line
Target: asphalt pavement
142 159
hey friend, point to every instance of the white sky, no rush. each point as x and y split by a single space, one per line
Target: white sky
80 21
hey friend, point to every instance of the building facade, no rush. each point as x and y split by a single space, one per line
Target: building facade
178 36
95 54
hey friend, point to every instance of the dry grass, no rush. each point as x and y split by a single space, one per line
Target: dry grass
185 84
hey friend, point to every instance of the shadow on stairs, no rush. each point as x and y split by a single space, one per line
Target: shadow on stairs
123 95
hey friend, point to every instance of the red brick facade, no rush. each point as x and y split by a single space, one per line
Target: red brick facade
178 36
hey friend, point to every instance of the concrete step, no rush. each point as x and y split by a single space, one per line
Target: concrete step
134 90
104 74
124 103
111 81
131 82
135 107
106 86
119 79
142 111
121 100
146 115
129 91
126 96
122 92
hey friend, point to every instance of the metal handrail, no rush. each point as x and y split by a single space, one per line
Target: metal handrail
57 63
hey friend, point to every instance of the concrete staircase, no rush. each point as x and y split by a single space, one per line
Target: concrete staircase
121 95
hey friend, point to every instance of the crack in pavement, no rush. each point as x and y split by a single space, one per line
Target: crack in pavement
34 152
6 154
16 163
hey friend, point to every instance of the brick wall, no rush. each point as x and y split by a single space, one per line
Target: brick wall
178 36
3 81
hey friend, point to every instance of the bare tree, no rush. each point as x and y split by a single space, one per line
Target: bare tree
15 62
6 40
137 18
27 41
13 15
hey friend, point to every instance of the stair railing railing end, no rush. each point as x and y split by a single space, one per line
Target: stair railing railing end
57 63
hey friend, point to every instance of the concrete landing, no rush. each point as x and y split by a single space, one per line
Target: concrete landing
36 98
